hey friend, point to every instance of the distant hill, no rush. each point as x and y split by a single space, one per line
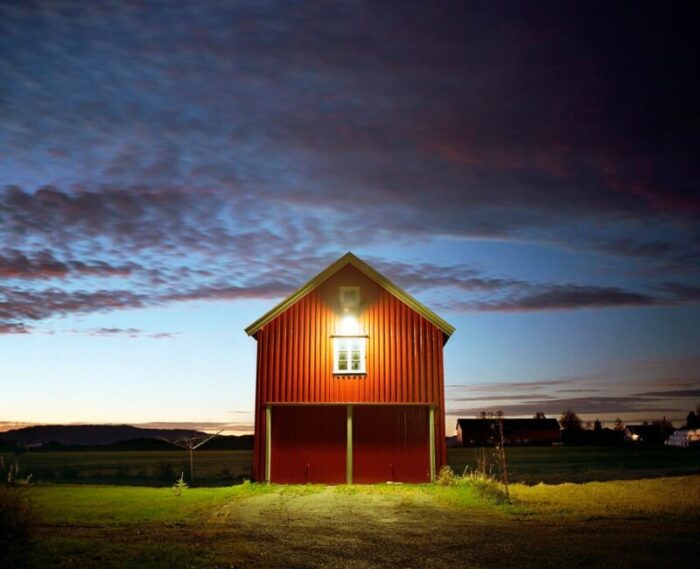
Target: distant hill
122 436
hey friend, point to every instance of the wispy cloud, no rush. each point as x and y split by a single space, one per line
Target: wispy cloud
124 332
14 328
670 394
603 405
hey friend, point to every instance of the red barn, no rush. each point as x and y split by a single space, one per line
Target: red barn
349 382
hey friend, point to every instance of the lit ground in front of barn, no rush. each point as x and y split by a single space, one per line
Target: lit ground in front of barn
642 523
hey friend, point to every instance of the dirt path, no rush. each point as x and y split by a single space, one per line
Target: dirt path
331 529
334 527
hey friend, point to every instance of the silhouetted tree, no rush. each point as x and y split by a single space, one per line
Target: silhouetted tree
540 415
570 421
597 426
619 425
692 421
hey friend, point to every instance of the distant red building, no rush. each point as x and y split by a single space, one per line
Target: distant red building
349 382
485 432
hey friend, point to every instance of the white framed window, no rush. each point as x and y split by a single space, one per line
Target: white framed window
349 355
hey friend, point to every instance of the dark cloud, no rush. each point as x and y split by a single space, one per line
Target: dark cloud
503 397
565 297
582 405
252 279
14 328
44 265
18 304
547 110
230 152
671 393
511 386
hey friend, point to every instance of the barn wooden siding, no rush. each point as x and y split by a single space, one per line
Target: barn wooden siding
295 357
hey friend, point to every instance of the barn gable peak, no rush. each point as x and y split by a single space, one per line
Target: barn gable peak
351 259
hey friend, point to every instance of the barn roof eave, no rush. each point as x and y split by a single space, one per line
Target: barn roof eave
351 259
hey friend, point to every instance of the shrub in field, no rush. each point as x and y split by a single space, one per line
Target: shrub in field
10 473
17 520
180 486
487 486
446 477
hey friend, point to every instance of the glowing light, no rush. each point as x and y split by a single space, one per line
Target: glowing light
349 325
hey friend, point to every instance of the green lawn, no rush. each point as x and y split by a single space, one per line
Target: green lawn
223 468
638 523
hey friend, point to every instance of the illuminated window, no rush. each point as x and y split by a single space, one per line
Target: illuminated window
349 355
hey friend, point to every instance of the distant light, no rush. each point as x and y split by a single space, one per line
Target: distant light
349 325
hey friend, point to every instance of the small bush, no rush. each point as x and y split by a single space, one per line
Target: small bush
446 477
17 521
180 486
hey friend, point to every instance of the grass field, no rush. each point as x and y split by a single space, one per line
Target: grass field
223 468
151 468
638 523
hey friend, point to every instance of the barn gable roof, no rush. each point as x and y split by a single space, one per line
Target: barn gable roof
368 271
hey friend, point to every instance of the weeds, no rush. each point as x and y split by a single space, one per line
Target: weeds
180 486
17 521
446 477
10 474
482 479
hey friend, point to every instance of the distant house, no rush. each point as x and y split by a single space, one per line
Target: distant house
684 438
484 432
654 434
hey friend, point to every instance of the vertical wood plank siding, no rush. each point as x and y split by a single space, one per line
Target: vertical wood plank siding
295 357
309 444
390 444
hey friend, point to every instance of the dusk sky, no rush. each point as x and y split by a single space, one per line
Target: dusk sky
170 170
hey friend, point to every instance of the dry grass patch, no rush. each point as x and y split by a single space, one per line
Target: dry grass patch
650 498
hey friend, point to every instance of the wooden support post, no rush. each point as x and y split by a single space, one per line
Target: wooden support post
268 443
348 455
431 437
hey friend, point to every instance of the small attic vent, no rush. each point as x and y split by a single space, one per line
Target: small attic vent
349 297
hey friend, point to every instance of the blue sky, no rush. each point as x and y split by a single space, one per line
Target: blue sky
168 172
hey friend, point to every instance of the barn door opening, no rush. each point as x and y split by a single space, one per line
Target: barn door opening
391 443
308 444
